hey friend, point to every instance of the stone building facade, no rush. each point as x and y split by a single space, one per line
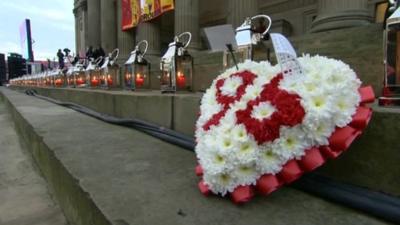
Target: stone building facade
98 22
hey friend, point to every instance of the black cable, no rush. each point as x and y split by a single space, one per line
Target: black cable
162 133
378 204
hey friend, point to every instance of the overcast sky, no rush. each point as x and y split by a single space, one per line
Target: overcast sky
52 25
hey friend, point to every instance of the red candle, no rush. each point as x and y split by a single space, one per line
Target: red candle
139 80
94 82
109 81
180 80
79 81
58 82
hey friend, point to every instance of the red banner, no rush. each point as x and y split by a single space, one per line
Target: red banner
136 11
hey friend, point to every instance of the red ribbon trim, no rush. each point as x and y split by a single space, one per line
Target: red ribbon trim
242 194
342 138
361 118
290 171
267 183
367 94
328 152
199 170
311 160
203 188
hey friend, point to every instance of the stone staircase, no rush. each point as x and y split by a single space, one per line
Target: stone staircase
106 174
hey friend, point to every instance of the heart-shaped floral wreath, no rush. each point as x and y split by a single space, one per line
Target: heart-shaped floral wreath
259 128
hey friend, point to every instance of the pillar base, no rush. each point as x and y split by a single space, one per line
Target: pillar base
345 19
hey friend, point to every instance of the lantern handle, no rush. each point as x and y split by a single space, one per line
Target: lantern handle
140 43
269 23
114 52
189 39
98 60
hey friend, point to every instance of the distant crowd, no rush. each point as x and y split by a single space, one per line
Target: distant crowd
91 54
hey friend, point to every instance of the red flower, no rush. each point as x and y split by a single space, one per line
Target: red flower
225 101
289 112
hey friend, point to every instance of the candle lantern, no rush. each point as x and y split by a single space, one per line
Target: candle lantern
110 71
391 80
51 77
248 36
59 79
70 76
80 76
177 66
93 73
41 79
38 80
48 79
34 80
137 68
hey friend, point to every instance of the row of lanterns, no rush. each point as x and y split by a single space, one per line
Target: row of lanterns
176 71
176 64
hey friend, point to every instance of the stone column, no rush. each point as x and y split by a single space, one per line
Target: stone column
150 31
80 13
93 23
239 10
337 14
187 19
125 39
108 25
77 31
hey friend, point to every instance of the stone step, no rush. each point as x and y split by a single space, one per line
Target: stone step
24 196
372 160
106 174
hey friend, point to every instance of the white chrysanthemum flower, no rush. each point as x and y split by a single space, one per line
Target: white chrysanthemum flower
226 143
292 143
292 84
230 85
263 111
221 183
246 174
252 92
319 130
247 152
239 133
319 104
240 105
268 161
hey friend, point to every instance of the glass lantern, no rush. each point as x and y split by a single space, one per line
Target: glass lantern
109 78
247 37
177 66
70 76
391 80
137 68
80 76
59 79
47 79
41 79
93 73
51 76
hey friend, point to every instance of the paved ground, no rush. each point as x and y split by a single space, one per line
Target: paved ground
24 198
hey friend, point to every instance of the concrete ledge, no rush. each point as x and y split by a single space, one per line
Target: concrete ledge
105 174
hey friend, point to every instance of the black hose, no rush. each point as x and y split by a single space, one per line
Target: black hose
162 133
375 203
378 204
